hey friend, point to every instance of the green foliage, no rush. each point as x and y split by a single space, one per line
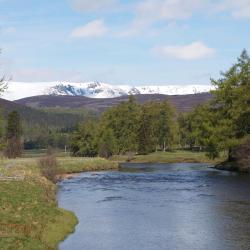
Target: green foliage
157 127
83 141
126 128
107 143
13 135
221 124
123 121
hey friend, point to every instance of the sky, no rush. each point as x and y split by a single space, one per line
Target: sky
135 42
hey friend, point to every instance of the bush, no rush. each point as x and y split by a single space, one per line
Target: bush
49 166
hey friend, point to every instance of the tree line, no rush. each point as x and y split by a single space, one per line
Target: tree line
213 127
129 127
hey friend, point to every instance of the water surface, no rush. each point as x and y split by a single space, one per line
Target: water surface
158 206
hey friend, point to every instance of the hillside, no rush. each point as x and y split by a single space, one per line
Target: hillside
57 118
182 103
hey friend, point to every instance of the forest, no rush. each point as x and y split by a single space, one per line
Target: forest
132 128
216 126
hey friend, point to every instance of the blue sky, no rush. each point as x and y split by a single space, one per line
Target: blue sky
122 42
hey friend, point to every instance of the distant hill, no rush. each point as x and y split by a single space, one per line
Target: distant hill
50 118
18 90
182 103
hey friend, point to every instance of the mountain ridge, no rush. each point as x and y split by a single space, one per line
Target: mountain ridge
19 90
183 103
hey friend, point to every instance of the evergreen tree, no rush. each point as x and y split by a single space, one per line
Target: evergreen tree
146 140
123 120
13 135
83 142
232 104
107 144
222 124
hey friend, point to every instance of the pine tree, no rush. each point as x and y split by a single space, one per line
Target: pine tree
107 144
13 135
146 142
83 142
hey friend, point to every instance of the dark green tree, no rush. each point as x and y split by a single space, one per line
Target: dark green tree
146 139
107 144
167 127
13 135
232 104
123 120
83 142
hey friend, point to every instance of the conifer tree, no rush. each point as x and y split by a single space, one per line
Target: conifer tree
13 135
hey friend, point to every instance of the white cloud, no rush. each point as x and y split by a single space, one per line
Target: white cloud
154 10
238 9
193 51
93 5
149 12
96 28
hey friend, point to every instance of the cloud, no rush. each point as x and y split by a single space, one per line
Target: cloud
93 5
96 28
149 12
193 51
238 9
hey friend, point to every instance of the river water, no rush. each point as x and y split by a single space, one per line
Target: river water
158 207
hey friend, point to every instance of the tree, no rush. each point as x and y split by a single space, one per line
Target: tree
123 120
166 126
146 138
225 121
3 87
13 135
232 103
107 144
83 142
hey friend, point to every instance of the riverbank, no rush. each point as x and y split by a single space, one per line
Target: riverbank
29 214
177 156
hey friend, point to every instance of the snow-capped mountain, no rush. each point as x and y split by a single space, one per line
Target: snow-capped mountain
18 90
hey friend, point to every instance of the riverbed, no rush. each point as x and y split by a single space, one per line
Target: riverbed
158 206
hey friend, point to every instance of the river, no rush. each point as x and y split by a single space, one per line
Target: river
158 207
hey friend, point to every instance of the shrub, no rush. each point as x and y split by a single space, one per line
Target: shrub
49 166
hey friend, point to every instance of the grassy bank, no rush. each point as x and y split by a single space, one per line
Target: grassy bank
177 156
29 215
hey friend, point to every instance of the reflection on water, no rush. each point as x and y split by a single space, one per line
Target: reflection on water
158 206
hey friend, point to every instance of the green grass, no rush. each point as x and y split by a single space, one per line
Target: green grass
29 215
177 156
29 212
68 165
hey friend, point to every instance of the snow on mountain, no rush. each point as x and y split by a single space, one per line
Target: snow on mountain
18 90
